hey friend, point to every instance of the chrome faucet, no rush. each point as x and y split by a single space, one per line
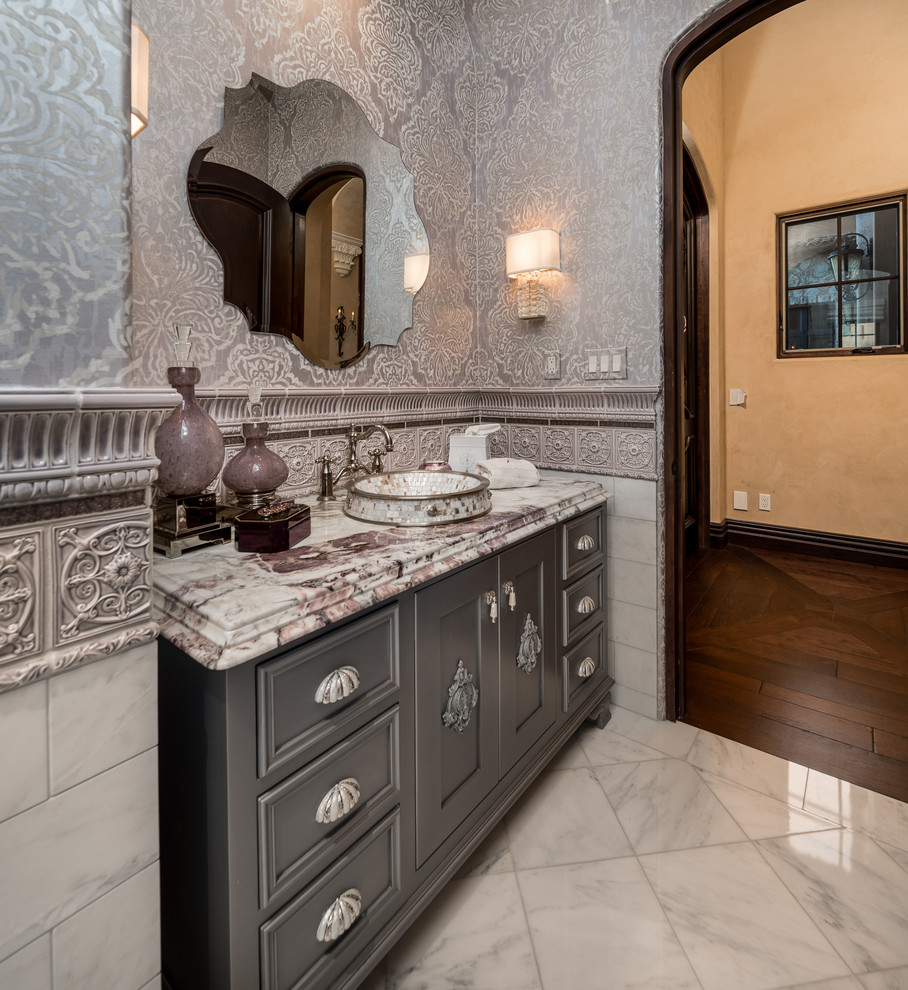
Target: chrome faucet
354 466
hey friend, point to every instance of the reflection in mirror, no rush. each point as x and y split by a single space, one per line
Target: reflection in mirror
313 217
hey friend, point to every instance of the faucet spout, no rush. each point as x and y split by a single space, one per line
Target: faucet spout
354 465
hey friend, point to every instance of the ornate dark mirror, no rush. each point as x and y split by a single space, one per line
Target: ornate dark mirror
313 217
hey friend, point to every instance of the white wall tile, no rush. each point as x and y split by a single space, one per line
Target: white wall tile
61 855
115 941
632 625
102 714
29 968
632 539
633 668
23 748
634 499
634 701
632 582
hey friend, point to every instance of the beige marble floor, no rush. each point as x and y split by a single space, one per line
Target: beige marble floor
654 856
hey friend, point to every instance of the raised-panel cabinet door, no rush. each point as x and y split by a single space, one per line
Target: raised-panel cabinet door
528 644
456 701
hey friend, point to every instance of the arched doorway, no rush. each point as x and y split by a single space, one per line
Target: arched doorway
708 36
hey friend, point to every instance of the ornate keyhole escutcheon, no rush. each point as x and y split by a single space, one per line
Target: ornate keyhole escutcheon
530 646
463 696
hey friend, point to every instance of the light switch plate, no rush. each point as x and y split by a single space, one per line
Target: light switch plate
740 500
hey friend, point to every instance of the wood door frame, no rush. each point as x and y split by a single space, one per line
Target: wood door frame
714 31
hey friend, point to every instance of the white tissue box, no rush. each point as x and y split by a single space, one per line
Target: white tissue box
464 452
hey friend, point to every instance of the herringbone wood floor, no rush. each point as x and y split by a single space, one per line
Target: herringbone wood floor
802 657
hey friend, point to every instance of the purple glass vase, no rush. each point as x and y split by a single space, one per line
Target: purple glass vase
256 473
188 443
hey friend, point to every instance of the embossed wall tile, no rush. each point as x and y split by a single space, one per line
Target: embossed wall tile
405 455
526 442
100 567
558 446
336 447
500 442
300 457
595 448
21 591
636 451
431 444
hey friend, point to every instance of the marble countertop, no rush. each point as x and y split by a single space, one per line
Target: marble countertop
224 608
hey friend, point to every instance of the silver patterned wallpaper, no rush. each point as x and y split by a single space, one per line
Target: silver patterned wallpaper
511 114
64 192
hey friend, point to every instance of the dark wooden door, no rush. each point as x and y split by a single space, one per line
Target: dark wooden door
456 702
528 643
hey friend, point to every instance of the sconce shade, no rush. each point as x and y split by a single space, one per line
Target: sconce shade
533 251
139 117
416 269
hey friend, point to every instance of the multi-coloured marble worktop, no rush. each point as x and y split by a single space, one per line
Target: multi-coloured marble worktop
224 608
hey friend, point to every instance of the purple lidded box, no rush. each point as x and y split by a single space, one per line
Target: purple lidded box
272 528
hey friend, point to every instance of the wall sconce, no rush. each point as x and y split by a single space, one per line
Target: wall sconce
139 60
416 269
526 255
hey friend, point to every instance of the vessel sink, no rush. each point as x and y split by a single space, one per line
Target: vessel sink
418 498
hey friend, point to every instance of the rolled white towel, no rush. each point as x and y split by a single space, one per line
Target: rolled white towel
508 472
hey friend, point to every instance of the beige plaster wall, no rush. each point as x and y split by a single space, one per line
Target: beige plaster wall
813 115
703 111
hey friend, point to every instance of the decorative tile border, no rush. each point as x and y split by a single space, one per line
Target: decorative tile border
65 444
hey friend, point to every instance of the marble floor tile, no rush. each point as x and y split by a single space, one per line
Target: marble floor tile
739 925
851 889
599 925
492 856
761 772
564 818
473 935
605 746
664 804
841 983
899 855
874 814
760 816
670 738
891 979
570 757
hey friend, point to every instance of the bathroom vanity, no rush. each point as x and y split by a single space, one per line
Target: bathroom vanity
341 725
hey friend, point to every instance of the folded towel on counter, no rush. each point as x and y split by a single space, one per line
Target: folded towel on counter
508 472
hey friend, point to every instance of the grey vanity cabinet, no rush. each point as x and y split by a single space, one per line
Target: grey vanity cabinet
485 690
420 721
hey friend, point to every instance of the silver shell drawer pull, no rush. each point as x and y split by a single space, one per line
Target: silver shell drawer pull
587 667
586 543
463 696
586 605
340 916
339 801
339 684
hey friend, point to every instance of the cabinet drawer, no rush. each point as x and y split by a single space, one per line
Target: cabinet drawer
363 770
584 667
582 543
292 955
348 671
582 605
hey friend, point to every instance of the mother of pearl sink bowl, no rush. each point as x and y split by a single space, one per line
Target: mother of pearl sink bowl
418 498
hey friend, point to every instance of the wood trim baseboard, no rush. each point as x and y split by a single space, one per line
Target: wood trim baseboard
836 546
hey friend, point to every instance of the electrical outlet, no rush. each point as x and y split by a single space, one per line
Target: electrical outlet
551 364
765 503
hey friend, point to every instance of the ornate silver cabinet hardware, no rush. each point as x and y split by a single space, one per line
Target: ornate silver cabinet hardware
586 543
530 646
586 605
511 593
492 602
340 916
587 667
339 684
339 801
463 696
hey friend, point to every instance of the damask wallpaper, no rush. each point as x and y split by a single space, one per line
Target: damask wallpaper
511 114
64 192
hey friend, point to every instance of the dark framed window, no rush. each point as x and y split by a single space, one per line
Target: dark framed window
841 280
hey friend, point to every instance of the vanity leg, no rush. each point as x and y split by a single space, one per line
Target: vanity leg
600 716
